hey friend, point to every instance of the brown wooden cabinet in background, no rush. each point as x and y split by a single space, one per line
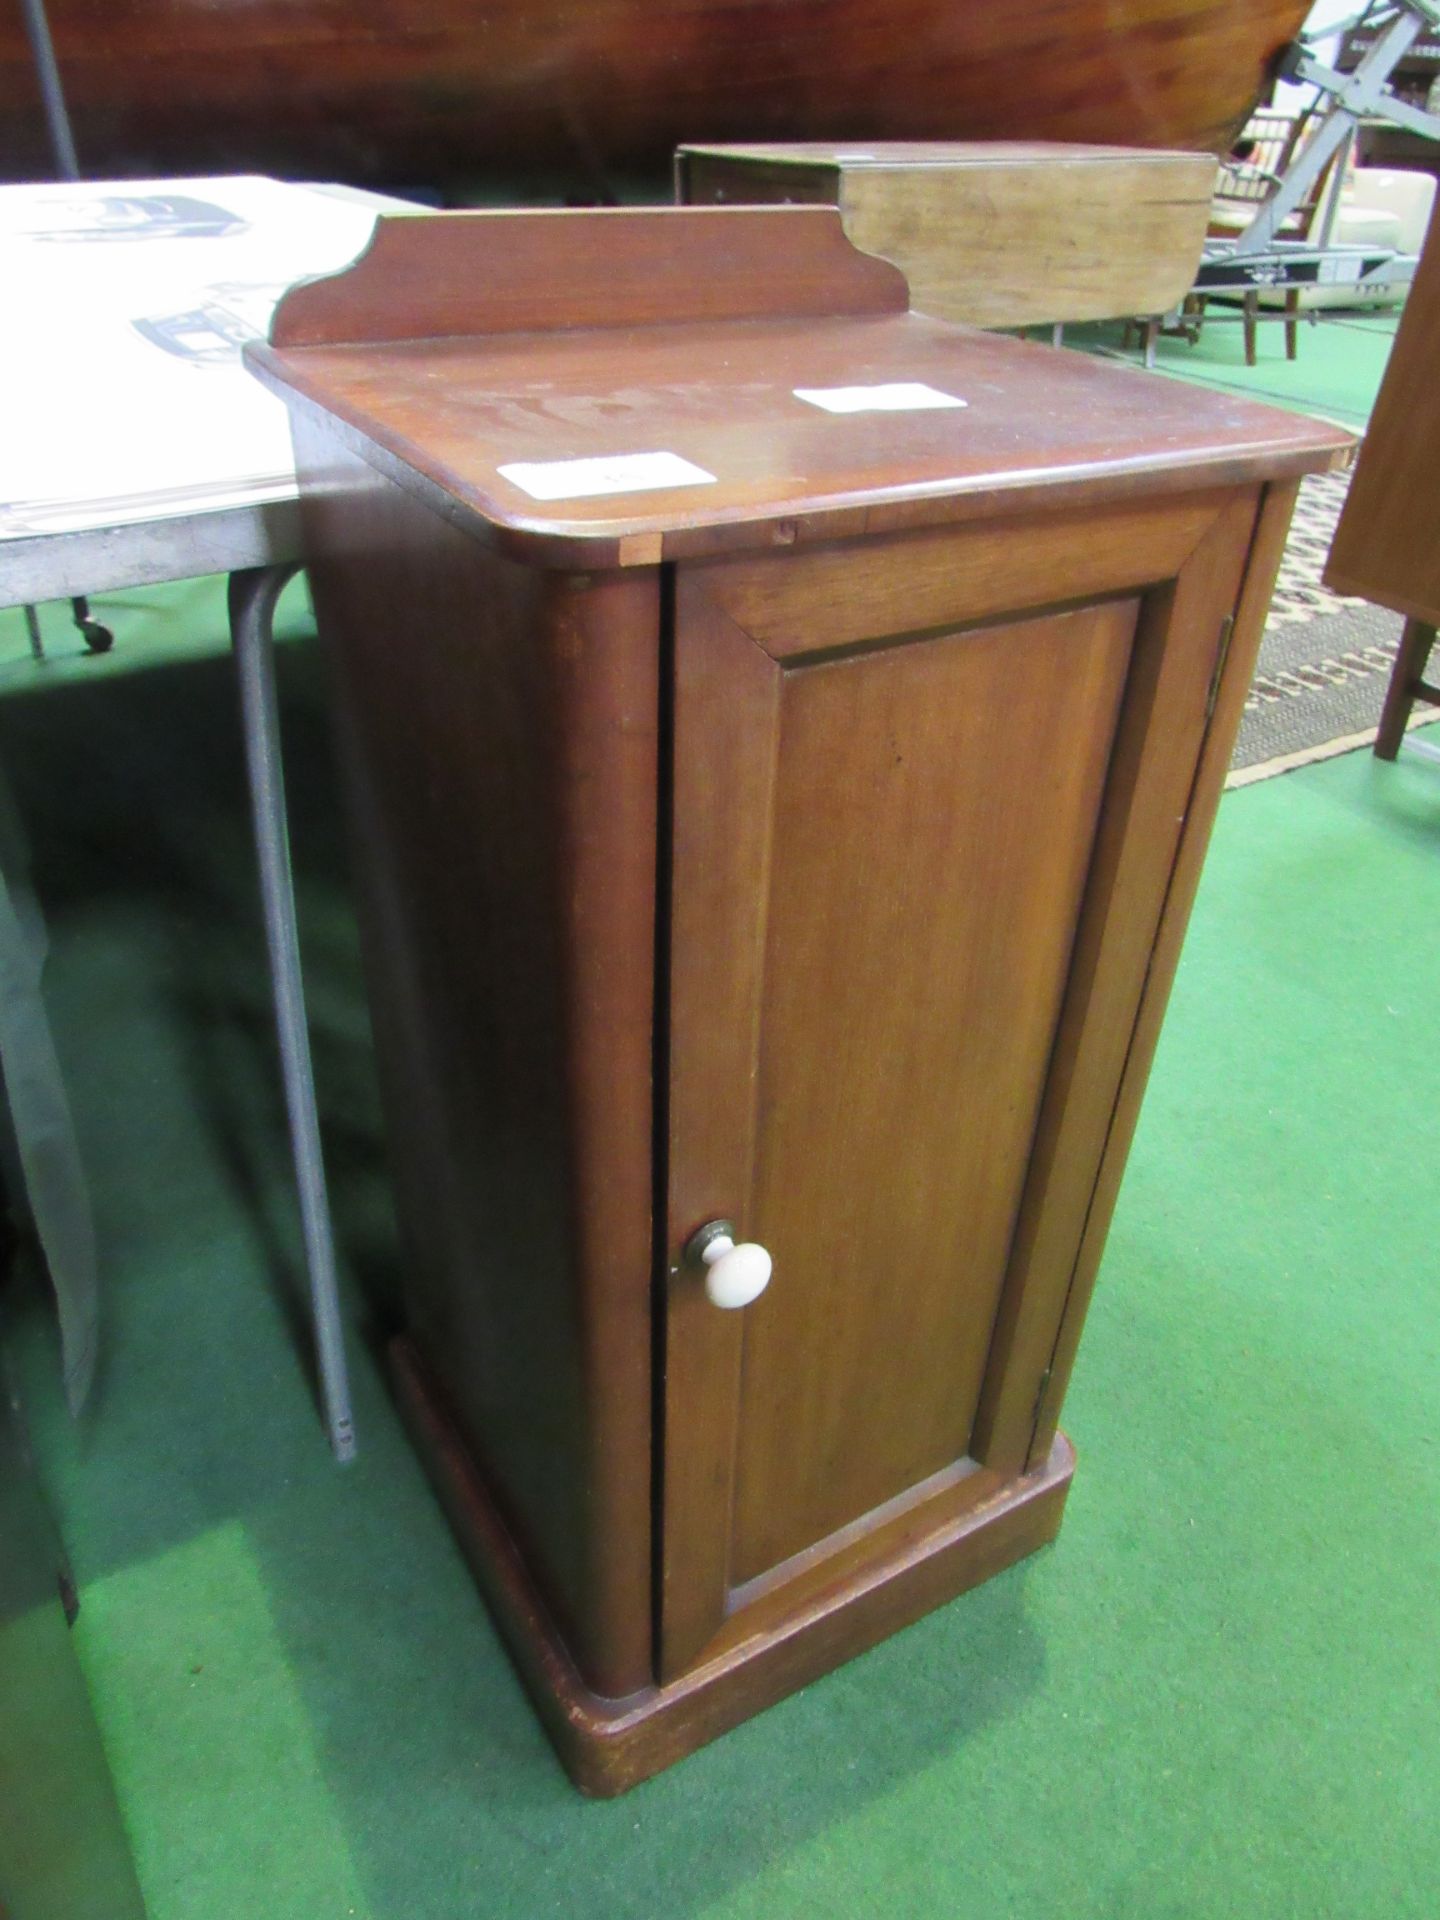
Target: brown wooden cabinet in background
1386 546
805 846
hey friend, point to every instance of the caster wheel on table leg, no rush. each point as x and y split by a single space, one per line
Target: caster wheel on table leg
98 638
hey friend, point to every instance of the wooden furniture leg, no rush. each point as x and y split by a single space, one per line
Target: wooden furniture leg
1406 687
1142 332
1252 317
1292 323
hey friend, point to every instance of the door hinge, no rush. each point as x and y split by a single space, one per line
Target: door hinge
1227 628
1040 1392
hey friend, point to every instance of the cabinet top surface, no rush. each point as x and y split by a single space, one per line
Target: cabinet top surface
951 423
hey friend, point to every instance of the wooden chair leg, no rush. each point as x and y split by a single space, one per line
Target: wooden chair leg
1252 318
1415 645
1292 324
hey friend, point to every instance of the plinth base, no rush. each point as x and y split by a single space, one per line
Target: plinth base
608 1746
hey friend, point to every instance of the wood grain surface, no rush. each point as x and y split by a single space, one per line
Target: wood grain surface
489 273
442 414
926 867
1227 705
895 1040
498 741
996 234
815 856
585 99
1179 648
609 1745
726 738
1387 541
900 1039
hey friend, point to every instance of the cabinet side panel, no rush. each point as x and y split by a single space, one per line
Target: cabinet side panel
497 735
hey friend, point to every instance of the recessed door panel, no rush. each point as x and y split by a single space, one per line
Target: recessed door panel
933 810
877 867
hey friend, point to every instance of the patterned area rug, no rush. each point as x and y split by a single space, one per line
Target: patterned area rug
1325 660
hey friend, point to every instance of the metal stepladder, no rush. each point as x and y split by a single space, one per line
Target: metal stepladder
1261 257
1349 99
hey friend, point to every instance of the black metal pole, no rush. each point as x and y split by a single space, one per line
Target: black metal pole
52 95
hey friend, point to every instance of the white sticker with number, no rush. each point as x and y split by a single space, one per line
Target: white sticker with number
896 396
607 473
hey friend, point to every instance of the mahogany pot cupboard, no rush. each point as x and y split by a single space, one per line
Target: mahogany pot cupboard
781 733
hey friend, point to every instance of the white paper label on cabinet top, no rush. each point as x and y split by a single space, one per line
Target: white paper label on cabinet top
896 396
607 473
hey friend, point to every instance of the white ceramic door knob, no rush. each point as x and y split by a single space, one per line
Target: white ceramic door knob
734 1276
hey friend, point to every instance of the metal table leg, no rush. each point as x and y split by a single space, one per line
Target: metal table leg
52 94
253 594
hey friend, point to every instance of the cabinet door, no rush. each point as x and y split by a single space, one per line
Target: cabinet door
927 794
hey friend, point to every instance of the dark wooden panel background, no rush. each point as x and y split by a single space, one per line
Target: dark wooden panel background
449 91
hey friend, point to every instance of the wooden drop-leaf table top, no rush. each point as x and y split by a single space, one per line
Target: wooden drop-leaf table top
991 233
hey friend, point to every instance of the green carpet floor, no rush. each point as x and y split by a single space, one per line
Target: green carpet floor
1336 371
1216 1695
